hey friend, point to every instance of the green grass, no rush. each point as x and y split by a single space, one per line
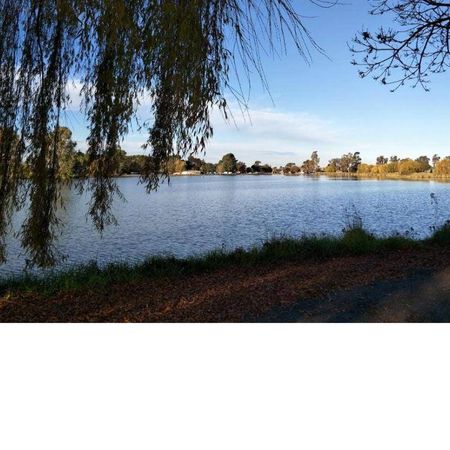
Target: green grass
354 241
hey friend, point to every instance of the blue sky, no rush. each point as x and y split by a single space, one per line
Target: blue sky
324 106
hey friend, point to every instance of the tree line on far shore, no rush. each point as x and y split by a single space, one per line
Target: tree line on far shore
75 164
349 163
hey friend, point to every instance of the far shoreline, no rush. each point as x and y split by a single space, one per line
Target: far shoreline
336 175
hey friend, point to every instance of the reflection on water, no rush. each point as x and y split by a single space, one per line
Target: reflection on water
198 214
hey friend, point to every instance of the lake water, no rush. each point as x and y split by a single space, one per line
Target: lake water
194 215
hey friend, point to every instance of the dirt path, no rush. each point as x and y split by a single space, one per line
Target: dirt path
420 297
400 286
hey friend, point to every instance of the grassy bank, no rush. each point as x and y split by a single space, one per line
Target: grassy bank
354 241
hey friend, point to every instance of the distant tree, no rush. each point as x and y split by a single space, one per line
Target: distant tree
266 168
381 160
435 159
277 170
134 164
392 167
345 162
443 167
241 167
423 163
207 168
180 166
315 160
311 165
256 167
175 165
394 159
294 170
79 166
355 162
229 163
349 162
308 166
365 168
65 147
117 162
334 165
193 163
381 169
407 166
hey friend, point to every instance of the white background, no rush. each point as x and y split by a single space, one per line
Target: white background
89 387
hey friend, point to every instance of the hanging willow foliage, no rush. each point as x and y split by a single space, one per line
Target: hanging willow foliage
178 52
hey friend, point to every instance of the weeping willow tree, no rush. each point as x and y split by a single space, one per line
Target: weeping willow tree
178 53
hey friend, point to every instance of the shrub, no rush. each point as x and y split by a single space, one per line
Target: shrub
442 234
408 166
442 167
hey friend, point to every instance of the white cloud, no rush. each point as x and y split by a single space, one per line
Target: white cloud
290 127
74 91
273 136
269 135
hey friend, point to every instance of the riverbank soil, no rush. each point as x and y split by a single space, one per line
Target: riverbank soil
398 286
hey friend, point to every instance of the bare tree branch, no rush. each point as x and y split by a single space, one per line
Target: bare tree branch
409 53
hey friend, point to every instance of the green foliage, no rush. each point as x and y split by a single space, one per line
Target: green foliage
423 164
241 167
194 163
208 168
65 148
228 164
133 164
347 163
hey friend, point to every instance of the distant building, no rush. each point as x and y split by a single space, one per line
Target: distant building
191 172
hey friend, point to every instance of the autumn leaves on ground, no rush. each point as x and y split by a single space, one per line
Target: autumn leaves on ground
312 279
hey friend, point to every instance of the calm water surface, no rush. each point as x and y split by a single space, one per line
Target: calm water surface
196 214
